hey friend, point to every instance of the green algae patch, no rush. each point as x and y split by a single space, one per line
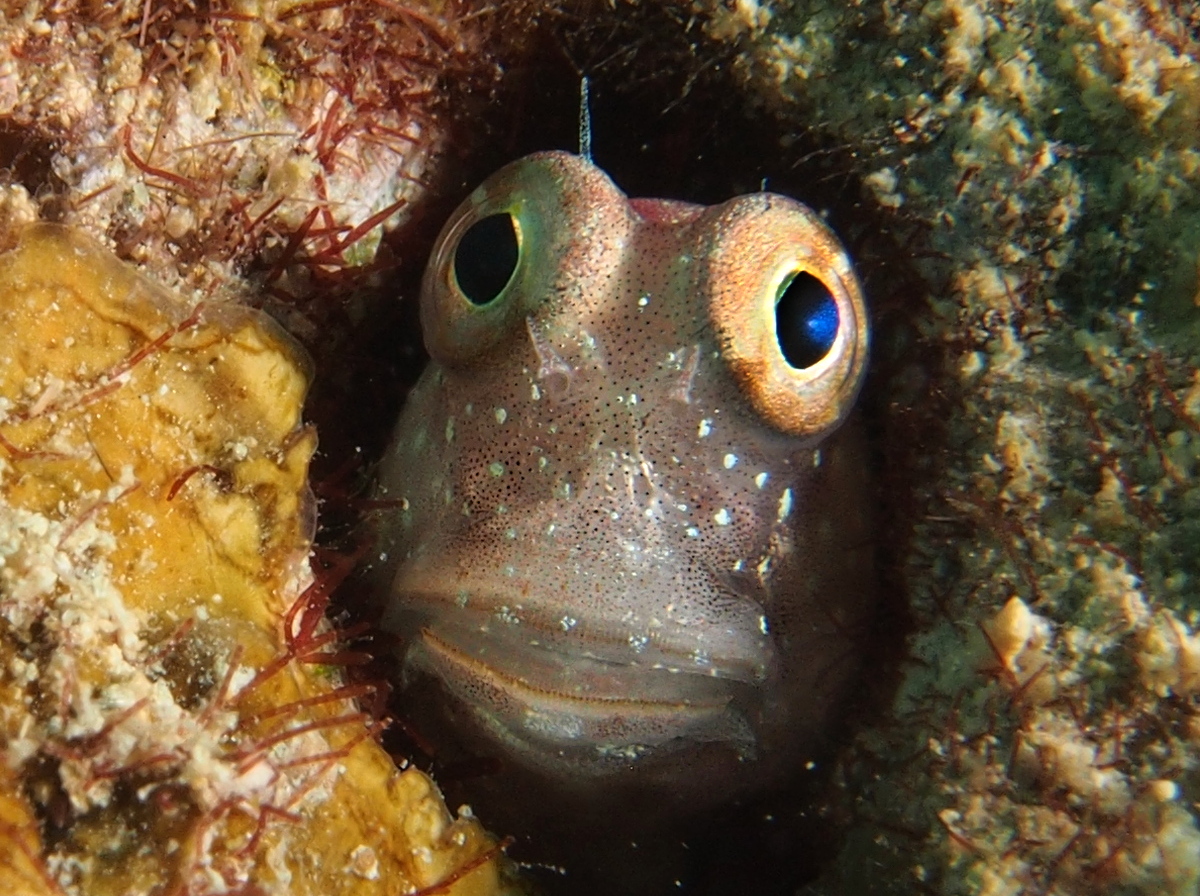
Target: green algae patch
165 723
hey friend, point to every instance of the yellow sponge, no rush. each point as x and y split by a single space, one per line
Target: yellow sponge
172 718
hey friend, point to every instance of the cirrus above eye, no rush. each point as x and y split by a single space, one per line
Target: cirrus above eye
486 258
806 320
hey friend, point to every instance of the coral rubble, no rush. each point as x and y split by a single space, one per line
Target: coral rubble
172 714
1039 166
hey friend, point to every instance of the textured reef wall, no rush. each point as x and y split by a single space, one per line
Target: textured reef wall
1039 165
173 714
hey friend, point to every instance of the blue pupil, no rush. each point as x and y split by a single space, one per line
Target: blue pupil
806 321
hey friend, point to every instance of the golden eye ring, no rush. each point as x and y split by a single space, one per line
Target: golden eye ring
766 251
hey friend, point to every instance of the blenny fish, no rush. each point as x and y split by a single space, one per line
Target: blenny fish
632 536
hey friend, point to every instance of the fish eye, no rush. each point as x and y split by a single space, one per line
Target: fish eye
787 312
486 258
806 320
503 251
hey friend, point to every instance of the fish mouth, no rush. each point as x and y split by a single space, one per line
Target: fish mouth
572 712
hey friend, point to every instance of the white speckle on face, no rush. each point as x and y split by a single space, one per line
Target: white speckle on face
722 517
704 428
626 753
693 532
638 642
543 462
553 726
683 387
817 458
730 461
507 615
449 430
501 415
785 505
763 625
633 398
534 392
496 468
761 479
644 300
568 622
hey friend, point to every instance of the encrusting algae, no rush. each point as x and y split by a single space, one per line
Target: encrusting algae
171 714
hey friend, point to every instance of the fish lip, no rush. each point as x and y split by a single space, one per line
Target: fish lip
590 715
512 652
421 595
509 620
